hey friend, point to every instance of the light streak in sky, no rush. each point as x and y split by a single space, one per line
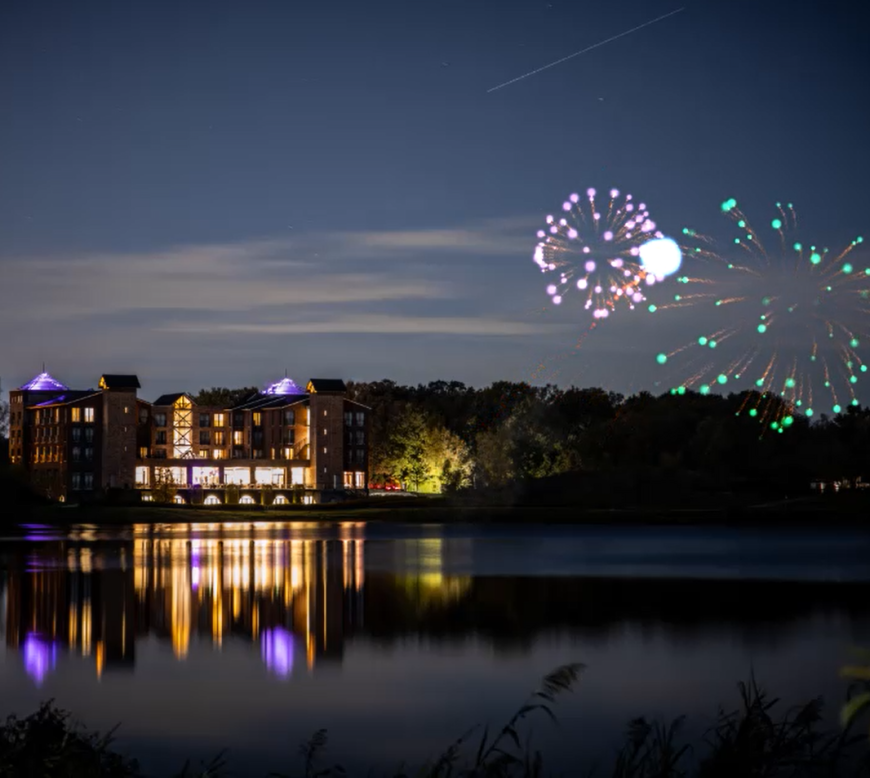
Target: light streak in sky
583 51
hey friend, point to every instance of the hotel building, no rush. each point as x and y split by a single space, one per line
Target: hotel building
284 441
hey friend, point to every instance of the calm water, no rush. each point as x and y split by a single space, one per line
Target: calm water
397 639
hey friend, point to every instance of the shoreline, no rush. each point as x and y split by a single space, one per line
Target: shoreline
812 512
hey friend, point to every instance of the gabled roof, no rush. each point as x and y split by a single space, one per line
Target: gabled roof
116 381
326 385
43 383
354 402
169 399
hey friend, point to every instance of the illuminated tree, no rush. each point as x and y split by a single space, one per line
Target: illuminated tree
165 488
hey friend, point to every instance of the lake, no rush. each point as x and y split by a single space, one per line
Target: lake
397 639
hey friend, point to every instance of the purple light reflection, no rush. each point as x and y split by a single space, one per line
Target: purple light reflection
284 386
276 647
40 656
43 383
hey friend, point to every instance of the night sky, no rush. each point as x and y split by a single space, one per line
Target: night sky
213 192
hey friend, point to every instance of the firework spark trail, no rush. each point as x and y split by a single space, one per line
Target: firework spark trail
810 324
583 51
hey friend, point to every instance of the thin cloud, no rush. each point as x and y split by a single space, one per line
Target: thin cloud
376 323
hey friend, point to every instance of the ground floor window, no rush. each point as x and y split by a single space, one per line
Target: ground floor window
269 476
212 499
280 499
207 476
360 480
240 476
179 500
246 499
143 476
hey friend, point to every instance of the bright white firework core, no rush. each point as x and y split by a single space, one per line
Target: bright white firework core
661 257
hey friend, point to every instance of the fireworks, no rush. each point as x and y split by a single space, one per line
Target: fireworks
594 248
788 320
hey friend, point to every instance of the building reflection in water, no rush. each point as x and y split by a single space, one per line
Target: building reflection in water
289 595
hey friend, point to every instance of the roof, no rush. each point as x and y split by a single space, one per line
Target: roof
43 383
354 402
284 386
169 399
67 398
117 381
267 401
326 385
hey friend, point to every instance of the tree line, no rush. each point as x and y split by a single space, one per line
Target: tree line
444 436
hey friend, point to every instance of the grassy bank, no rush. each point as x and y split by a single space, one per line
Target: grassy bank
757 738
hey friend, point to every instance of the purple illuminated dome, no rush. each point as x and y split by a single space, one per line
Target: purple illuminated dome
276 646
43 383
284 386
40 656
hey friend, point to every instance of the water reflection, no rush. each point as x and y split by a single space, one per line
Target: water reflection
303 598
294 597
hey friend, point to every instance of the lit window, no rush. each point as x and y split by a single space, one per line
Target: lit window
143 476
241 476
203 453
212 499
324 411
288 453
280 499
258 419
324 430
126 409
89 415
217 454
348 479
324 449
75 415
238 438
179 500
219 438
218 420
143 452
360 479
246 499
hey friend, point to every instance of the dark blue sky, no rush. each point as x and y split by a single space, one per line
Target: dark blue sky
212 192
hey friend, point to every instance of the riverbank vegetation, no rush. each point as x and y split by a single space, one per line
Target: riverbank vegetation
757 737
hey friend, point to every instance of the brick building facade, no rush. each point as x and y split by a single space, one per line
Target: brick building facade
284 441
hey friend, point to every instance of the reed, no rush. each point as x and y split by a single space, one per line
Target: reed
759 738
